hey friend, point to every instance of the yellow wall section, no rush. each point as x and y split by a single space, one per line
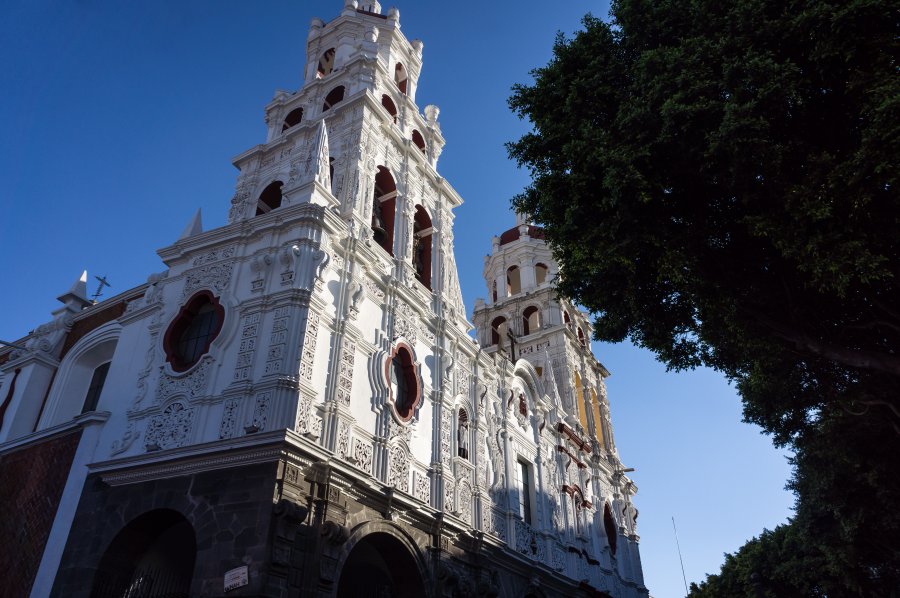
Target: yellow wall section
598 419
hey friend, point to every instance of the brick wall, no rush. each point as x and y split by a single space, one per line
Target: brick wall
32 479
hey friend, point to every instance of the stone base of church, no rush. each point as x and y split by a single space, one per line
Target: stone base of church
302 524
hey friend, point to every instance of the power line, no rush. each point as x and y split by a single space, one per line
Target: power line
679 556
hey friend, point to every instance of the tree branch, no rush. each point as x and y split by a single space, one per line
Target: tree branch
859 359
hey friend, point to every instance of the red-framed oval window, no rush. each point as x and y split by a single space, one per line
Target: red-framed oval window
406 392
193 330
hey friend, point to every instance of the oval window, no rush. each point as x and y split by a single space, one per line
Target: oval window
404 383
193 330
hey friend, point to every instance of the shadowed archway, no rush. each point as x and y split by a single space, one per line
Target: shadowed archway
151 557
380 566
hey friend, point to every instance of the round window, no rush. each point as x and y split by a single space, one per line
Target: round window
193 330
404 383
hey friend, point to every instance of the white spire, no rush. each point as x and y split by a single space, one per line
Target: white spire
76 297
194 227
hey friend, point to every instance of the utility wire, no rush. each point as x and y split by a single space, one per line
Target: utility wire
679 557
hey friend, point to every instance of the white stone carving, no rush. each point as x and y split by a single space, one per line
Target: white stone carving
277 341
226 429
214 256
170 429
345 377
309 346
464 498
149 358
215 277
406 322
374 290
123 444
362 454
446 421
260 412
243 369
343 439
559 559
303 420
421 486
449 504
193 384
398 474
528 542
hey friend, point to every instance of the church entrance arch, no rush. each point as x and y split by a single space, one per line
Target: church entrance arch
380 566
151 557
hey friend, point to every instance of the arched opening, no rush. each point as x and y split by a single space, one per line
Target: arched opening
540 273
292 119
80 380
581 338
498 331
193 330
418 140
494 291
269 199
326 64
380 565
531 320
388 104
384 202
421 250
567 320
610 525
513 281
462 434
404 383
151 557
400 78
334 96
98 379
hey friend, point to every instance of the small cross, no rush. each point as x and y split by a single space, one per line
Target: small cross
103 283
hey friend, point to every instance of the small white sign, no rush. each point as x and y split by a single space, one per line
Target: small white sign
236 578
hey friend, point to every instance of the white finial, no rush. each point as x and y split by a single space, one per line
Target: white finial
393 15
194 227
417 45
75 298
79 287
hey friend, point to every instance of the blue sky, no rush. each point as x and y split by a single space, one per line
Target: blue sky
119 119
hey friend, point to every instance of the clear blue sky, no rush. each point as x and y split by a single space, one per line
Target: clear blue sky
118 119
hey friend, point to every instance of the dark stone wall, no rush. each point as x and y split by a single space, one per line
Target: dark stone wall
32 479
229 509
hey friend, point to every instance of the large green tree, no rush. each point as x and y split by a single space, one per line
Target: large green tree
718 181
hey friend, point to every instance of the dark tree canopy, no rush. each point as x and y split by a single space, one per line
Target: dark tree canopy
718 181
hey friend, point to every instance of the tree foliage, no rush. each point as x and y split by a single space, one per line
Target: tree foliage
718 181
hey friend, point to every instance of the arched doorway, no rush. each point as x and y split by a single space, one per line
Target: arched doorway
380 566
151 557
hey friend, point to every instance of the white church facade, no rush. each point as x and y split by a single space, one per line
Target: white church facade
295 405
